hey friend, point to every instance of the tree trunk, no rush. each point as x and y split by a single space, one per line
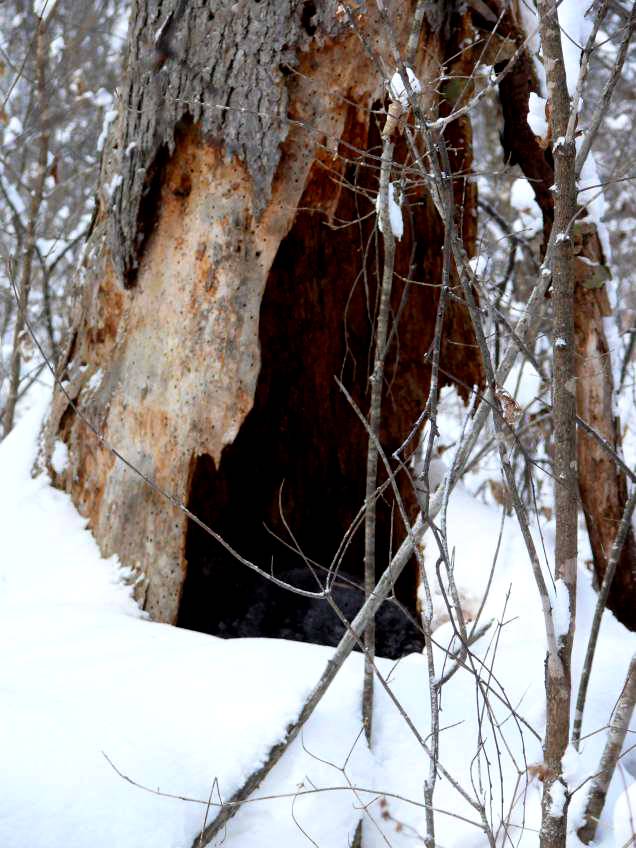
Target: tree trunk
602 483
230 275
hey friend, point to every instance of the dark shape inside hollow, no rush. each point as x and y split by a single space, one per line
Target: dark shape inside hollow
298 460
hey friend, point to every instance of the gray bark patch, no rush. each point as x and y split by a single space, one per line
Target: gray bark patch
221 66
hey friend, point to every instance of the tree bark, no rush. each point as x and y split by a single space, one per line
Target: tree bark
558 668
602 483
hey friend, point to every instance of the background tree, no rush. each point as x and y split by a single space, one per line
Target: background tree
60 63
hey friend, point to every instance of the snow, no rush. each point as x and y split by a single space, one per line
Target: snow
521 194
13 195
591 194
561 609
86 676
558 799
626 410
625 818
525 384
576 28
95 381
398 90
59 457
44 8
536 115
13 130
102 98
109 117
618 123
479 265
523 201
57 46
573 768
530 20
113 185
395 213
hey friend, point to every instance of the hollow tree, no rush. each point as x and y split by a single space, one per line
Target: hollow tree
231 276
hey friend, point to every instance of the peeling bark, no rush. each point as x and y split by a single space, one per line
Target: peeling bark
602 484
245 303
520 145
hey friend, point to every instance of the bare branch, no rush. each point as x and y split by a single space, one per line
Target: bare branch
558 679
601 601
608 91
615 738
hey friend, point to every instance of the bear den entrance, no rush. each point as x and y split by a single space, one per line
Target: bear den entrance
299 460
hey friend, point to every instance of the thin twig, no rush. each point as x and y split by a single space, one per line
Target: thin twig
611 753
608 577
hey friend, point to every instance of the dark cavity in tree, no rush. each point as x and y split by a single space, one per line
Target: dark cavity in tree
303 436
278 455
149 205
225 598
308 17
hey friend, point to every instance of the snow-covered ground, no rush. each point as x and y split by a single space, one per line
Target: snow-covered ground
85 679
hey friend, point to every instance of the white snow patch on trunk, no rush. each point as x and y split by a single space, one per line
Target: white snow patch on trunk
557 799
395 213
109 117
398 90
561 609
59 457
